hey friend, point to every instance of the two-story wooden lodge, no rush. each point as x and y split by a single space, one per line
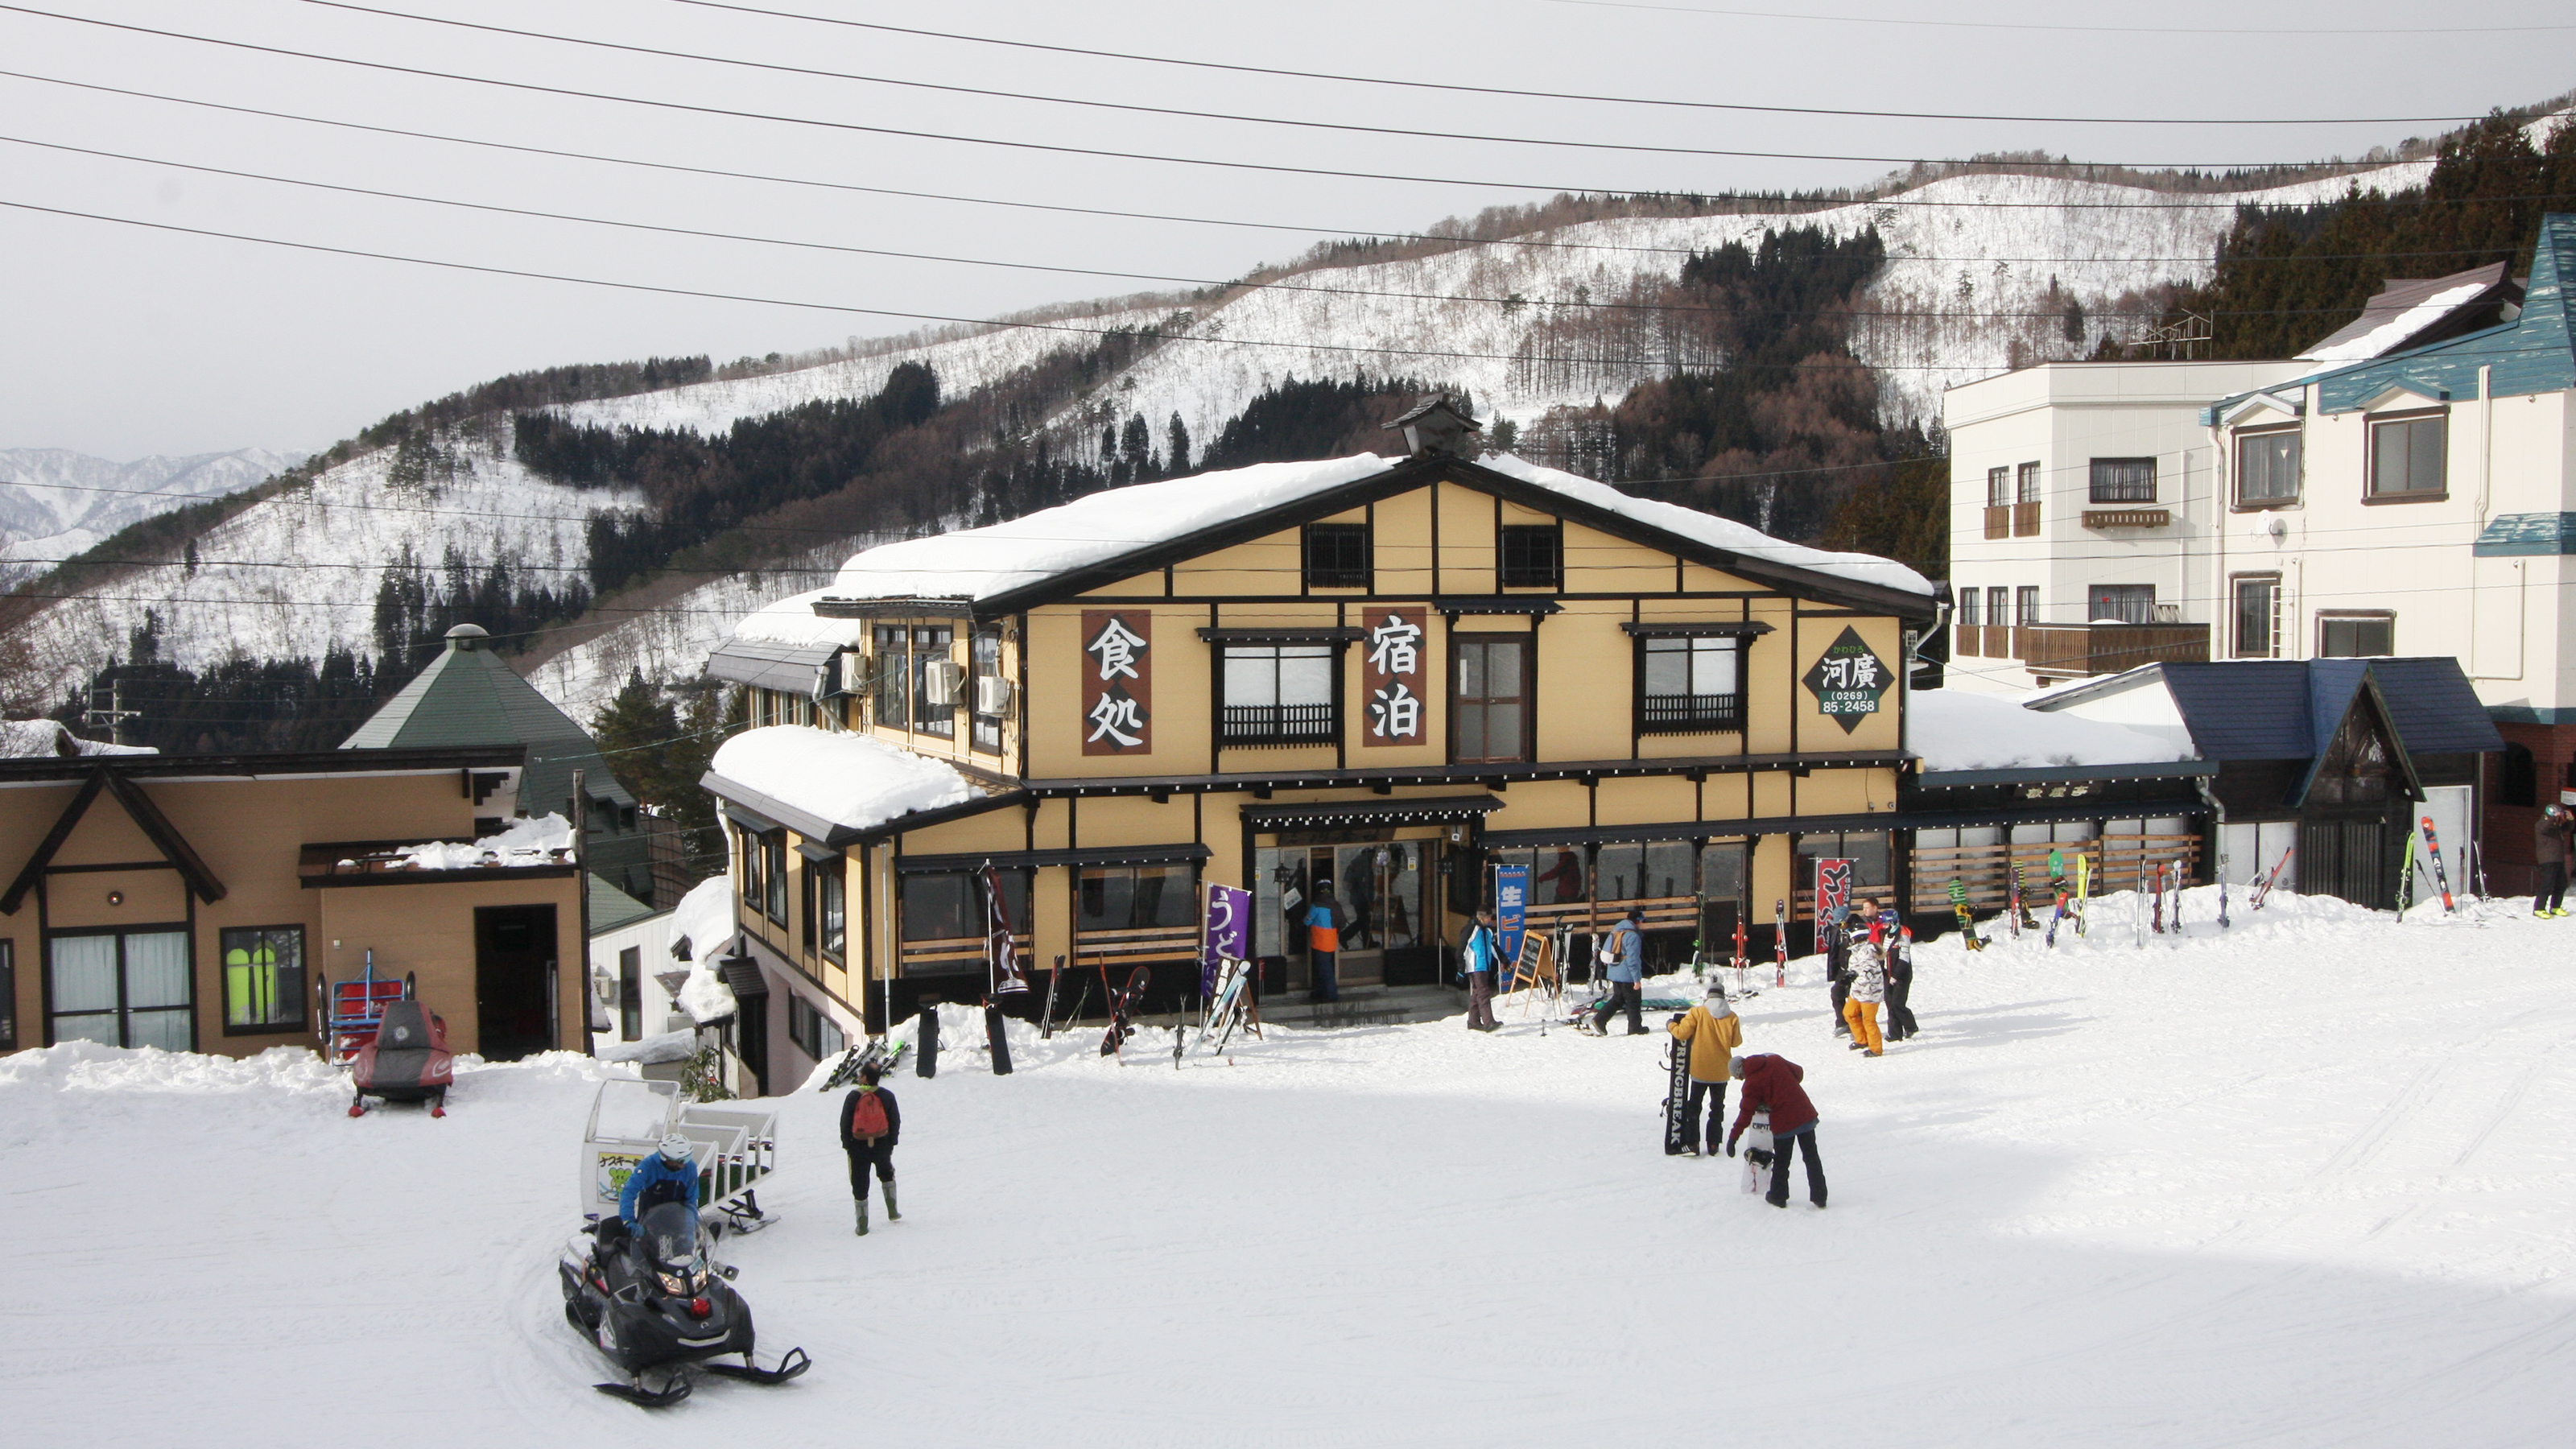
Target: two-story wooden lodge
1389 674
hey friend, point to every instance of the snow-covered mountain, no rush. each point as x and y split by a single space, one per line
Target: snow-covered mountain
55 502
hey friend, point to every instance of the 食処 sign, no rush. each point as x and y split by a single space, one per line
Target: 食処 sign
1117 682
1848 679
1392 674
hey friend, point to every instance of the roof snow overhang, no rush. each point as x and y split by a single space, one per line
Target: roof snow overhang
1418 472
768 812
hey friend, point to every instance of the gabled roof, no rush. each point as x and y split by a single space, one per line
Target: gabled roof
147 815
2289 709
1096 540
610 907
2534 353
469 696
2337 688
2419 310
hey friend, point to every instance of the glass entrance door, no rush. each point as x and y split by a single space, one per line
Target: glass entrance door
1380 889
122 988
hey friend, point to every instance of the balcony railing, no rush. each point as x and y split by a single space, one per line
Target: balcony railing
2081 649
1684 714
1276 724
2026 519
1998 520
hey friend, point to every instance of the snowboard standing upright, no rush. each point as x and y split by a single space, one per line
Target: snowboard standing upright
1677 1097
1780 942
2083 890
996 1040
1122 1011
2012 897
1967 922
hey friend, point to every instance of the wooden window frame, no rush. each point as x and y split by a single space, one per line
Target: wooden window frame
1724 719
1528 640
2235 586
1363 578
301 1025
1277 737
1552 578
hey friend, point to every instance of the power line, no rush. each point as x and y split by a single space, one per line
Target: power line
2196 31
1526 94
1185 114
909 134
1358 233
1582 304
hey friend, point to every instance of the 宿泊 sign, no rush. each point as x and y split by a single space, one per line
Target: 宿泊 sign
1392 674
1847 680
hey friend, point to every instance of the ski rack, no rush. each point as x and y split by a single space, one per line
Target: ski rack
733 1144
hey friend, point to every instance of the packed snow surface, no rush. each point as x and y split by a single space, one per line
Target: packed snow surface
1952 730
2303 1184
847 779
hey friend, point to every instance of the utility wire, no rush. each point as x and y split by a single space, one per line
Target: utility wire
1218 163
1518 93
1185 114
2198 32
1510 302
1356 233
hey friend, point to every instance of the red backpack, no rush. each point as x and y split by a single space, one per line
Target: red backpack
868 1117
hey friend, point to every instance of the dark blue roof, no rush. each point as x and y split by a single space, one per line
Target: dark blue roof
2288 709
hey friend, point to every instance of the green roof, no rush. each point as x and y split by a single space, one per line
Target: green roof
469 696
610 907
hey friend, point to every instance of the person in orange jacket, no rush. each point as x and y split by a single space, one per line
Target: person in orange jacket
1711 1032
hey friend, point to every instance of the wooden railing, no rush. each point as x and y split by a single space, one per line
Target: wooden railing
2026 520
1136 945
1998 520
1986 869
954 949
2106 648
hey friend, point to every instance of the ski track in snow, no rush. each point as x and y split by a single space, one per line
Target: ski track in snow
2302 1184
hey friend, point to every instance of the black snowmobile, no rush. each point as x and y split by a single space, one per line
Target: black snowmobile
651 1299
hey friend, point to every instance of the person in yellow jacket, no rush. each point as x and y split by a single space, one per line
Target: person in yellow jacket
1712 1032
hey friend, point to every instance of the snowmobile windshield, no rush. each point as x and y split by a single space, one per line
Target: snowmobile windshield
670 1234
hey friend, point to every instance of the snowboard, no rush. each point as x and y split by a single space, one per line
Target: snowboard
1780 942
2083 890
927 1065
1756 1148
997 1040
1122 1010
1967 922
1677 1098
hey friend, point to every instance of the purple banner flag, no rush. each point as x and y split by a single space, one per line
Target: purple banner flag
1229 932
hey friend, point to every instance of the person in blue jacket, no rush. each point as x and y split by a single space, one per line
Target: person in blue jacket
666 1175
1627 949
1484 958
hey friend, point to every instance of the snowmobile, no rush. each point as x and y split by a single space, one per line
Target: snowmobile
405 1061
651 1299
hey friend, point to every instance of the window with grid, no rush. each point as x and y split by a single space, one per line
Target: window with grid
2120 603
1337 556
1277 694
1136 897
1690 686
813 1031
1998 487
2267 468
1489 699
2356 636
2026 484
987 728
2406 455
2026 605
1999 607
893 675
2251 626
263 978
1533 556
2124 480
1971 608
934 681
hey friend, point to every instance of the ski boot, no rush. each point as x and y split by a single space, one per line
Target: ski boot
862 1205
892 1215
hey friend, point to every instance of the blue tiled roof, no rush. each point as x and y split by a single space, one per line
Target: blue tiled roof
2533 354
2288 709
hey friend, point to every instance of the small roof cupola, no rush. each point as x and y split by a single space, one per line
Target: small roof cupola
466 637
1439 424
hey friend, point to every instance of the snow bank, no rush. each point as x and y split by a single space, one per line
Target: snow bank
978 563
669 1046
849 780
1712 530
526 841
1953 730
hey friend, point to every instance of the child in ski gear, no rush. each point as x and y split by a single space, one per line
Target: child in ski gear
1757 1153
1713 1032
871 1123
1625 946
1868 988
1900 985
665 1175
1484 955
1771 1085
2549 839
1324 942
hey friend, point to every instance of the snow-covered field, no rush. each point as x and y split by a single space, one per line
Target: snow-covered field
2307 1185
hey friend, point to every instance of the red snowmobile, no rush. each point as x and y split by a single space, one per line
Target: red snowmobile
406 1061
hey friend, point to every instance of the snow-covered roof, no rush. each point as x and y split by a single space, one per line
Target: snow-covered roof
2404 311
792 621
38 738
845 780
983 563
542 840
1956 731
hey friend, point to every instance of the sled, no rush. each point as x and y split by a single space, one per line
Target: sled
733 1144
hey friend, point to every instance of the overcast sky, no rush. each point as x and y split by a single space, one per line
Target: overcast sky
122 341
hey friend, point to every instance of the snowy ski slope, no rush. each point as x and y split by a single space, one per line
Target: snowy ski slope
2303 1185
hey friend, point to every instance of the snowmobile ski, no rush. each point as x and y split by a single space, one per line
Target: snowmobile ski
673 1391
2441 875
794 1362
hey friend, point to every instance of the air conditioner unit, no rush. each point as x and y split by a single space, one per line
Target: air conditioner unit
939 681
992 696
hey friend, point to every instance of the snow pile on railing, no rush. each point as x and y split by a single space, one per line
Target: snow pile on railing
541 840
1957 731
849 780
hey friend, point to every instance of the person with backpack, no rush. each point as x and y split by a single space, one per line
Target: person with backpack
1623 960
1771 1086
1712 1032
1484 953
871 1122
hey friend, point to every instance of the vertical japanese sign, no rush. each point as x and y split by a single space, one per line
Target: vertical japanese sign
999 947
1511 908
1117 682
1847 680
1229 933
1392 674
1833 889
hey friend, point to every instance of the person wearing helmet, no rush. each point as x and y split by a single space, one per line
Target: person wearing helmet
2549 839
666 1174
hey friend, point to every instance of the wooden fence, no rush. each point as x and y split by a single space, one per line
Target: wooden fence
1985 869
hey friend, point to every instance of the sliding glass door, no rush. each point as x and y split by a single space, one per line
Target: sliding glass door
122 988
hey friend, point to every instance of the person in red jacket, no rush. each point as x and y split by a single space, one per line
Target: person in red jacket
1771 1084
